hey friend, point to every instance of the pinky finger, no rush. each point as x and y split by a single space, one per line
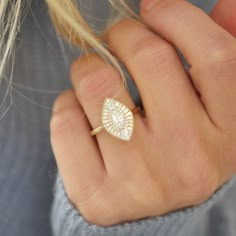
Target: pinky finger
77 155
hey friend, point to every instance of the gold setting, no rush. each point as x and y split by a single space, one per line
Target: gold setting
117 119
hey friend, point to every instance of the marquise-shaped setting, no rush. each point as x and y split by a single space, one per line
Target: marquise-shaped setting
117 119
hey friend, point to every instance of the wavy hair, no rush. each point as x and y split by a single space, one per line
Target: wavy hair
69 23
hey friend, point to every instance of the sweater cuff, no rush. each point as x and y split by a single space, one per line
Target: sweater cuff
66 220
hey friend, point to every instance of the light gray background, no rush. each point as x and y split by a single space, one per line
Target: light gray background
27 167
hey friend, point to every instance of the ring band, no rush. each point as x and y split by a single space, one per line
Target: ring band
117 119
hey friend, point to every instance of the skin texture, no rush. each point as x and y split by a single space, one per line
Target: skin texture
183 149
224 15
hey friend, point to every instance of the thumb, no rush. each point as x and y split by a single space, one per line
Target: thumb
224 15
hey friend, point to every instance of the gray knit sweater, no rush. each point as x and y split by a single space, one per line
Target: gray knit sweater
32 198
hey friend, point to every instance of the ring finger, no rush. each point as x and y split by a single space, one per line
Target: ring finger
93 81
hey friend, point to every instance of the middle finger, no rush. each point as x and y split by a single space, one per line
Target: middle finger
164 86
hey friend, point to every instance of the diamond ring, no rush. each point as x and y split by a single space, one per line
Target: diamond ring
117 119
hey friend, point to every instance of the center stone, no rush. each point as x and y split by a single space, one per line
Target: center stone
117 119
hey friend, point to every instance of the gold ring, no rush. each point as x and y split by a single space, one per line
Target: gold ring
117 119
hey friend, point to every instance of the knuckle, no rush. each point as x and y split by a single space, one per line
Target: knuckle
64 120
162 6
84 64
221 50
99 212
95 204
61 99
156 193
121 27
98 83
202 181
205 188
90 215
151 55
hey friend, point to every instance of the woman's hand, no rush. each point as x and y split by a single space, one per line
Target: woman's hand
182 150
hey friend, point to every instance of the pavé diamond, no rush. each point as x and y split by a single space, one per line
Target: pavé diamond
125 133
111 106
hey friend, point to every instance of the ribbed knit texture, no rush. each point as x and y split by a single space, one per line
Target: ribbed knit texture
27 167
67 221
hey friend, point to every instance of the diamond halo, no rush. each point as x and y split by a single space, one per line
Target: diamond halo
117 119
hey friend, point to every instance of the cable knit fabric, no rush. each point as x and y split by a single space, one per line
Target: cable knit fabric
33 201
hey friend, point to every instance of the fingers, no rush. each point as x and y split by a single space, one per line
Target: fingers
194 32
165 88
209 49
76 152
93 81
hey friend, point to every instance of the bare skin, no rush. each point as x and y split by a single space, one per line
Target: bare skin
183 149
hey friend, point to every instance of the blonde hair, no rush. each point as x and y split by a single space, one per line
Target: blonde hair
70 24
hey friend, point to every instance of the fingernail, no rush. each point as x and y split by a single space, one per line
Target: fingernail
147 5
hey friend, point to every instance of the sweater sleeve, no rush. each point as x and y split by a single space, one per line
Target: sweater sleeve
67 221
